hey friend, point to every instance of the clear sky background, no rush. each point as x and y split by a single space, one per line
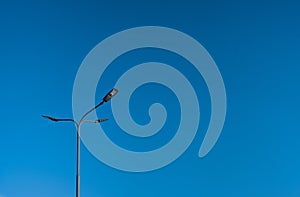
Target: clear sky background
256 45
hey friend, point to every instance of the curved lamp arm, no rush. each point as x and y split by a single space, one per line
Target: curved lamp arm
105 99
96 121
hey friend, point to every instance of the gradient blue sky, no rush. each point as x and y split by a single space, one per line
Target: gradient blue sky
256 45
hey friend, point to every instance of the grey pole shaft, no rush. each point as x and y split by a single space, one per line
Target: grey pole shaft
78 135
78 147
78 163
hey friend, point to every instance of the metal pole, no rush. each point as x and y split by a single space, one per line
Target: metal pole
107 97
78 163
78 149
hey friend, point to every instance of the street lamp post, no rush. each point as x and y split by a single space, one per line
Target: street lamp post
106 98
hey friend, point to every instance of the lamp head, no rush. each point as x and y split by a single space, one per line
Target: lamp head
50 118
101 120
109 95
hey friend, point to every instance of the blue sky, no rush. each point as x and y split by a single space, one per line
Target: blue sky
256 46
